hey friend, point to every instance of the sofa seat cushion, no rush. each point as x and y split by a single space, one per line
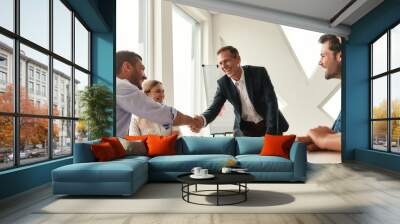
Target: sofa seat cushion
257 163
133 158
112 171
185 163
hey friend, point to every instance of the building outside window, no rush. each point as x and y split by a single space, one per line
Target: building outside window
385 94
44 77
38 89
30 72
3 78
30 87
43 90
3 71
53 136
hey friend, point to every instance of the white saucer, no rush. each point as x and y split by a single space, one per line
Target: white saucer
208 176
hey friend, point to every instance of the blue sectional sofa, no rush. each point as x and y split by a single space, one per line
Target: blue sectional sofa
125 176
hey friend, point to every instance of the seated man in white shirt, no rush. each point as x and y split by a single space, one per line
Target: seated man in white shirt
143 126
131 100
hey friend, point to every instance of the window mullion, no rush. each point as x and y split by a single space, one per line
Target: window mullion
389 106
50 81
16 70
371 140
73 81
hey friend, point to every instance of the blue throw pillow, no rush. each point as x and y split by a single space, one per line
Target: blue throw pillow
83 153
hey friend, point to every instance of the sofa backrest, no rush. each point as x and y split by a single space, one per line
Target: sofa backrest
194 145
83 153
249 145
190 145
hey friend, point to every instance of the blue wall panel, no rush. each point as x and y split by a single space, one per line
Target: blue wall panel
357 99
103 63
103 59
24 178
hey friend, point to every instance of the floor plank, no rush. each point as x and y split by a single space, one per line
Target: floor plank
377 190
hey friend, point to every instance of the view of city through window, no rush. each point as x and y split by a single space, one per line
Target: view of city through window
385 87
26 117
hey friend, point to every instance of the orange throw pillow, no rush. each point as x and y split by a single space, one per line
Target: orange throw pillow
161 145
277 145
103 152
116 145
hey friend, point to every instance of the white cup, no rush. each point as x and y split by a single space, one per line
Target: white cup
226 170
196 171
203 172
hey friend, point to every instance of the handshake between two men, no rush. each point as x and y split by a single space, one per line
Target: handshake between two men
195 123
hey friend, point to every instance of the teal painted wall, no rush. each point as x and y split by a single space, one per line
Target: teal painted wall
24 178
356 84
103 63
99 15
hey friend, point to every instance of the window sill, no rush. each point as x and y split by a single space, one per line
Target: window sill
26 167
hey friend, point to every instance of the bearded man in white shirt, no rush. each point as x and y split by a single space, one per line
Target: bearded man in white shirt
131 100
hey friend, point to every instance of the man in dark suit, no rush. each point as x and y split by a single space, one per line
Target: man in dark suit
250 91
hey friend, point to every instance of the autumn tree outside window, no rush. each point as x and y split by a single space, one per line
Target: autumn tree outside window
385 91
44 64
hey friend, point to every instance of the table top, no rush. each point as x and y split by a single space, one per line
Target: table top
220 178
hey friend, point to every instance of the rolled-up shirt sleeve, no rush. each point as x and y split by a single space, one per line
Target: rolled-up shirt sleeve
134 101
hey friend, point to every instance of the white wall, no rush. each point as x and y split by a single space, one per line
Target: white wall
264 44
160 62
259 43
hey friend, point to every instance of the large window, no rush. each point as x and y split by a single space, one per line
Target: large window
186 41
385 91
44 64
132 27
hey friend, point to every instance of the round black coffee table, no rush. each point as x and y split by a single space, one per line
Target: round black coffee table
238 179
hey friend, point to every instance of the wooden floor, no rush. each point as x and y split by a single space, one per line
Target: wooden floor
378 189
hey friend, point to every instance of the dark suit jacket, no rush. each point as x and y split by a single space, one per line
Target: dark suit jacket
261 94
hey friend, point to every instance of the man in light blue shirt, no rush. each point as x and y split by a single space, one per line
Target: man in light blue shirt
131 100
322 137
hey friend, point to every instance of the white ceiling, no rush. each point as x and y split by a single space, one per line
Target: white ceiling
319 9
313 15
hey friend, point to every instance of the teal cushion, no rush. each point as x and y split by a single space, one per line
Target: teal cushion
133 157
185 163
249 145
192 145
257 163
111 171
83 152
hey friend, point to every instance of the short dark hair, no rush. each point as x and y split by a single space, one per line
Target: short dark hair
335 42
126 56
234 51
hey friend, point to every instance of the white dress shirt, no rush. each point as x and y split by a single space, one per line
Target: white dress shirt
131 100
143 126
248 111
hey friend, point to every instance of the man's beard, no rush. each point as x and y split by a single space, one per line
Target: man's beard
333 75
135 81
329 76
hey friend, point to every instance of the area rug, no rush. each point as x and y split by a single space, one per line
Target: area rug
167 198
